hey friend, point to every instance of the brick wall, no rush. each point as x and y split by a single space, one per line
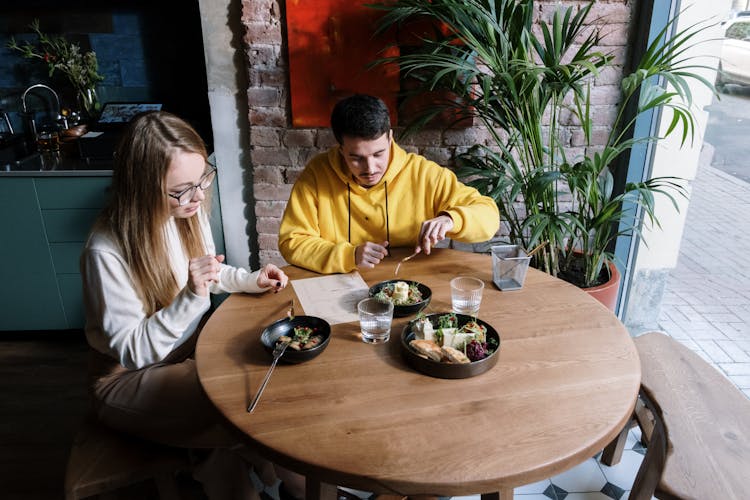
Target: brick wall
279 152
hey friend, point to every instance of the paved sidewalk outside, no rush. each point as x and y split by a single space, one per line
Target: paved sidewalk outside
706 304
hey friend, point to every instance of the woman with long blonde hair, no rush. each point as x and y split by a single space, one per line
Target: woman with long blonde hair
148 269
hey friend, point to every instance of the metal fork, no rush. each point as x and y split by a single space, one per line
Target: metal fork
404 260
277 352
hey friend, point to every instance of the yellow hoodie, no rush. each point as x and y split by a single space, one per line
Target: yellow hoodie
328 214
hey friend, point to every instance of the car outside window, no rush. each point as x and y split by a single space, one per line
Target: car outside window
739 31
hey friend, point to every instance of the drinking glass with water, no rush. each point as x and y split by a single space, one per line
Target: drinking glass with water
466 295
375 319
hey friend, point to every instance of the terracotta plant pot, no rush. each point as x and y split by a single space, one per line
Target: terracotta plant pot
607 293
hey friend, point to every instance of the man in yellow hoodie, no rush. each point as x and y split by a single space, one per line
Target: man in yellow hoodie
367 193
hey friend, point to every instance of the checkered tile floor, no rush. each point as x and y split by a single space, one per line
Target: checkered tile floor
590 480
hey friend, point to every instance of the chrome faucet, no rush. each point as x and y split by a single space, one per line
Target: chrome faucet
6 120
30 116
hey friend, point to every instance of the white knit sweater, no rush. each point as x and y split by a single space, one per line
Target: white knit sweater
116 323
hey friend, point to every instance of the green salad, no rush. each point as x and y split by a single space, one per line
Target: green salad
400 293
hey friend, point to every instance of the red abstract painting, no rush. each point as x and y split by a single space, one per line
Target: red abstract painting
331 43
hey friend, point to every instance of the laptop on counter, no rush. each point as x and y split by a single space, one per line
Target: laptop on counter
117 114
98 144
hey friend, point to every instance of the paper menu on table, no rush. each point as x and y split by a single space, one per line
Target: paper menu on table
333 298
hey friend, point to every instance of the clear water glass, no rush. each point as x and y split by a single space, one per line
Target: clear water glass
375 319
466 295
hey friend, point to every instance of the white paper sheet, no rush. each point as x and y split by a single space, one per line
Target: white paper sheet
333 298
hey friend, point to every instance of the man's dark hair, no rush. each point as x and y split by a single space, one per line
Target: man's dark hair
361 116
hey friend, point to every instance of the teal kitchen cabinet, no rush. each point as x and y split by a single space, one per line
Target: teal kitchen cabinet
44 222
29 296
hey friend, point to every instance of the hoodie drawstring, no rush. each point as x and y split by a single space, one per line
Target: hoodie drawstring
387 225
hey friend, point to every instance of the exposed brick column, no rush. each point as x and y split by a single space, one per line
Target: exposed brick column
267 97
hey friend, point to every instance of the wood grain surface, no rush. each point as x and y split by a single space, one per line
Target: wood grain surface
357 415
707 421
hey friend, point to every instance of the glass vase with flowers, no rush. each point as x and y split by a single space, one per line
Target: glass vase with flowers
60 54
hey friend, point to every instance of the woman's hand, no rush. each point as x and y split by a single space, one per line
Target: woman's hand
272 276
203 271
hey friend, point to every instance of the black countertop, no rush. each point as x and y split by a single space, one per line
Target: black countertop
55 164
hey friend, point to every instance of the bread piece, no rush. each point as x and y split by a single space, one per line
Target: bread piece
427 348
454 355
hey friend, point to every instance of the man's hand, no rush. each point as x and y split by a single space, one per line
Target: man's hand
272 276
432 231
202 271
370 254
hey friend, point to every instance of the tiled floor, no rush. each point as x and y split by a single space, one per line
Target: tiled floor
590 480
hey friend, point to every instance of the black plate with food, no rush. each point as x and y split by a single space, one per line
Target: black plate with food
301 332
459 346
409 299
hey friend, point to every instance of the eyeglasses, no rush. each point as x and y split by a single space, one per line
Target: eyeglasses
184 196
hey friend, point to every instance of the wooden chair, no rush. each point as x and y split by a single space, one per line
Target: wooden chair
102 460
699 430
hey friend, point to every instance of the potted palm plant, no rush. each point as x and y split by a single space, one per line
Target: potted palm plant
526 82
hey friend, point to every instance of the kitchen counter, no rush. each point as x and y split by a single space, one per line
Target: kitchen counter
55 165
48 215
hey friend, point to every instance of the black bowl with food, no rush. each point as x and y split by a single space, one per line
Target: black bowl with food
459 346
308 337
411 296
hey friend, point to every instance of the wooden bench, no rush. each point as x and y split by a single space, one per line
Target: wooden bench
699 430
102 460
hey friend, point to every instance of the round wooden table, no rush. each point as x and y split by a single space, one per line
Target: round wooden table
357 415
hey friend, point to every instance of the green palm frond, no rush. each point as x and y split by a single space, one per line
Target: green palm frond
492 61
